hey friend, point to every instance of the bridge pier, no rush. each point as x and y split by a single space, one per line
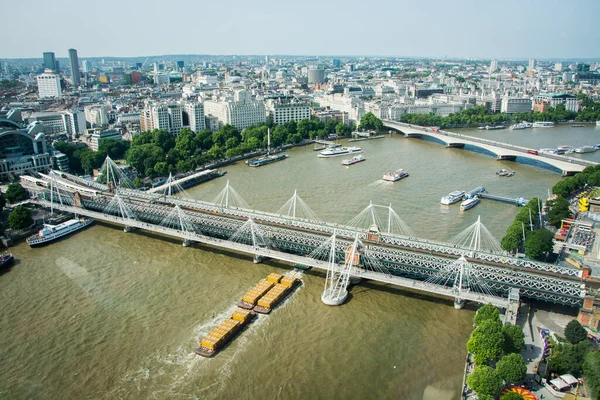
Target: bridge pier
455 145
128 229
257 259
187 243
459 303
506 157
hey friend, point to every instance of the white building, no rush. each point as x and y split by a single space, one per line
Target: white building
168 117
55 122
195 114
74 123
531 65
242 112
493 66
283 109
49 84
512 105
128 118
558 67
162 79
96 115
98 137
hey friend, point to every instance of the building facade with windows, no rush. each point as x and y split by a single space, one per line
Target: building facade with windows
194 111
283 109
49 85
512 105
241 112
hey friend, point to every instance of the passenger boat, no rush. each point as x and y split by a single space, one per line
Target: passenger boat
518 126
597 123
505 172
341 151
527 124
493 128
453 197
52 232
469 203
224 333
543 124
354 160
258 162
585 149
578 126
329 146
6 259
395 175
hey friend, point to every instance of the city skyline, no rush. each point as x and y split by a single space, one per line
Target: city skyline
429 29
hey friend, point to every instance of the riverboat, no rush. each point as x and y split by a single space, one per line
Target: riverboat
329 146
354 160
578 126
585 149
597 123
52 232
395 175
276 295
6 260
259 162
453 197
543 124
224 333
341 151
505 172
518 126
469 203
494 128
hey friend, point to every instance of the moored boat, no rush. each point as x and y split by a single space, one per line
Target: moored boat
578 126
505 172
585 149
354 160
452 197
469 203
258 162
518 126
395 175
52 232
543 124
494 127
335 152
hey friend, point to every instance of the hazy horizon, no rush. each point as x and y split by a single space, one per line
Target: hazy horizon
513 30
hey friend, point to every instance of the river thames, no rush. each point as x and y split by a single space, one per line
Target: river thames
106 314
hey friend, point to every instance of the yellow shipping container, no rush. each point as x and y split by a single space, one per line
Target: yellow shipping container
288 281
273 277
240 315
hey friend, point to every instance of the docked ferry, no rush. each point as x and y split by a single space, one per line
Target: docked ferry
453 197
340 151
395 175
585 149
258 162
52 232
543 124
354 160
469 203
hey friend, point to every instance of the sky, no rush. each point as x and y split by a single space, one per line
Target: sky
506 29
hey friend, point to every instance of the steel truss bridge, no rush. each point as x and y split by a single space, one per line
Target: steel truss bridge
406 261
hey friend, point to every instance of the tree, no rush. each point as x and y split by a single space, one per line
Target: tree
538 243
2 201
574 332
512 396
19 218
370 121
15 193
559 210
568 358
513 239
512 368
486 342
485 381
591 370
486 312
514 339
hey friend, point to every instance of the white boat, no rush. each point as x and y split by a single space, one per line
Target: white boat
52 232
518 126
527 124
547 151
453 197
543 124
597 123
395 175
340 151
354 160
585 149
469 203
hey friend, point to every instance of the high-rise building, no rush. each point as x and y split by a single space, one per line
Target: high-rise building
74 123
49 84
75 74
558 67
168 117
493 66
96 115
336 63
283 109
316 75
195 115
86 66
50 61
180 65
531 66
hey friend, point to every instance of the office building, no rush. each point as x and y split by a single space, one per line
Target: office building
98 136
49 85
282 109
493 66
240 112
168 117
531 65
74 122
22 148
543 101
58 122
194 112
336 63
50 62
75 74
316 75
162 79
512 105
86 66
96 115
558 67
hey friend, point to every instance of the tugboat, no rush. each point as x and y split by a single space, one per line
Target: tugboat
6 260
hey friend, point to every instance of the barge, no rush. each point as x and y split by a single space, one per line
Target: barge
224 333
276 294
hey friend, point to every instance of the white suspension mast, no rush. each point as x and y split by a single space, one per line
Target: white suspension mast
389 219
227 195
294 204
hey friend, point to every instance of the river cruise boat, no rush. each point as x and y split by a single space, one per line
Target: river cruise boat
469 203
259 162
340 151
585 149
452 197
543 124
395 175
494 128
6 259
518 126
52 232
354 160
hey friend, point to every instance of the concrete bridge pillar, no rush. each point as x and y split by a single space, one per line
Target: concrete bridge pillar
459 303
456 145
187 243
507 157
128 229
257 259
